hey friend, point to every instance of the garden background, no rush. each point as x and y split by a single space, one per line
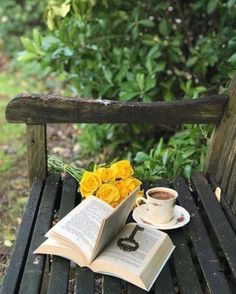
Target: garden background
121 50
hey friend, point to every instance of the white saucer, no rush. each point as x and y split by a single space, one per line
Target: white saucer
181 217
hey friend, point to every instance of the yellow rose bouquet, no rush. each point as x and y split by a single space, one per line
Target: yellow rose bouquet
111 184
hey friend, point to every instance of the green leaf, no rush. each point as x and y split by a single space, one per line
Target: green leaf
67 51
158 149
232 58
165 157
164 28
150 83
37 37
187 171
147 23
108 75
232 42
128 95
154 52
149 64
160 66
188 153
140 81
135 32
28 44
147 98
91 166
141 156
49 41
211 7
191 61
26 56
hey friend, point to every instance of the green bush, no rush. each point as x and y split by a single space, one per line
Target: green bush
136 50
184 153
18 18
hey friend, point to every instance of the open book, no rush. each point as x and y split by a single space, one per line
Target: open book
94 235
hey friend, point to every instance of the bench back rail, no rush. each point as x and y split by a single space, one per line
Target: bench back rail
37 110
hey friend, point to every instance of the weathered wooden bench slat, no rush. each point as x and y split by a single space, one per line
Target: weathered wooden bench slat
132 289
21 246
211 268
111 285
184 266
84 281
60 267
224 202
32 276
231 190
217 219
37 151
164 282
35 108
227 157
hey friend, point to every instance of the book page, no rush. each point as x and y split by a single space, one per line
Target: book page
51 246
114 222
81 226
149 241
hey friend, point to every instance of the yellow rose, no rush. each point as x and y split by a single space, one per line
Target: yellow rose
122 169
108 193
106 174
121 186
132 183
89 183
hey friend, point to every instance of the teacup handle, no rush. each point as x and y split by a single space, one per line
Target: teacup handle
141 199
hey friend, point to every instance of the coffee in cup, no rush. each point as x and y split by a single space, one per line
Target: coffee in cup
161 203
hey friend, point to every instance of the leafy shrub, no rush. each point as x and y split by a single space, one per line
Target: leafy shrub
137 50
18 18
184 153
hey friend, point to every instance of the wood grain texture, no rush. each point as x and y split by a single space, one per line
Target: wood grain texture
231 189
222 151
224 201
34 267
84 280
218 221
226 160
33 108
211 268
111 285
19 253
184 266
60 267
37 152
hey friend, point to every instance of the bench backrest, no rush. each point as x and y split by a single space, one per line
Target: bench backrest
38 110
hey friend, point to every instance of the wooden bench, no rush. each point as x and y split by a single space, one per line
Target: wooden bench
204 260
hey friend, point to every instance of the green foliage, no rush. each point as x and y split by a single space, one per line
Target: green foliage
18 18
111 140
184 153
137 50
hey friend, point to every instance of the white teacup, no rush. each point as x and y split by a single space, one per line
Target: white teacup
161 203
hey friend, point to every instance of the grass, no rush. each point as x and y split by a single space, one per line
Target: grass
13 163
11 134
